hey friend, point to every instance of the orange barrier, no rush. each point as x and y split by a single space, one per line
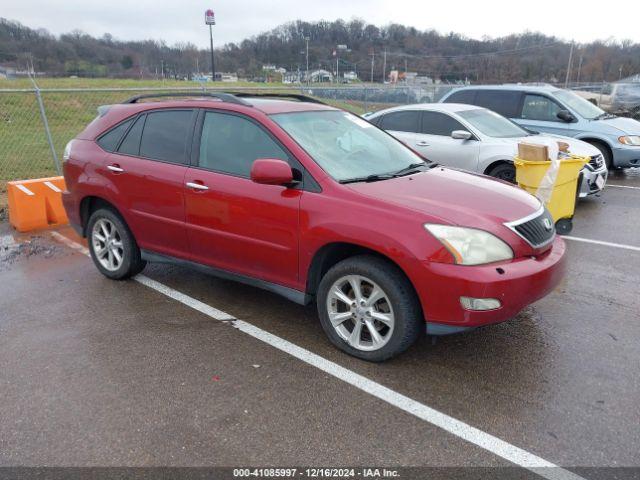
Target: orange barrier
37 203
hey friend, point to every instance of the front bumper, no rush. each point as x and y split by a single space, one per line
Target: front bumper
589 184
516 284
626 156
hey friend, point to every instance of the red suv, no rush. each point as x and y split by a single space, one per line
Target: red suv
313 203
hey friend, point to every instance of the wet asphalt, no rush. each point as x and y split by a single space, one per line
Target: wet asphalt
101 373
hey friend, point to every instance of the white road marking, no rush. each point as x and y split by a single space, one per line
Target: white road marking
452 425
600 242
52 187
70 243
622 186
24 189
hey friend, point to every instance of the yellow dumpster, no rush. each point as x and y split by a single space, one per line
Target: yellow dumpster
562 203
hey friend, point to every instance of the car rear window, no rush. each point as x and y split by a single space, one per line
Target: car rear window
405 121
165 135
504 102
462 96
109 141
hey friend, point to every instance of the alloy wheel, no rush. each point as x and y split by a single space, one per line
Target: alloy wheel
107 244
360 312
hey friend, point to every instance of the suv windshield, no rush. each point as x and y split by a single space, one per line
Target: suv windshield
492 124
346 146
582 107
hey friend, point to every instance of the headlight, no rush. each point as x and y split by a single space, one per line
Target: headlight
470 246
630 140
67 151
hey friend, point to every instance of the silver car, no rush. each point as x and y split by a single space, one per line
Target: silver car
476 139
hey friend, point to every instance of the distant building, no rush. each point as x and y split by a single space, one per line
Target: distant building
269 68
226 77
320 76
350 76
7 73
632 79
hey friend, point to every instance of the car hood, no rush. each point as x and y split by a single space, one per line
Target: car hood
445 195
577 147
619 125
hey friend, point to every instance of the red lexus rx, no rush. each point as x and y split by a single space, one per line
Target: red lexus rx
315 204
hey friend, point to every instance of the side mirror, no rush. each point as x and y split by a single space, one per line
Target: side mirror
565 116
271 171
461 135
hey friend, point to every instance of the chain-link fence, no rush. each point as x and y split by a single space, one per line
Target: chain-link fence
32 139
35 125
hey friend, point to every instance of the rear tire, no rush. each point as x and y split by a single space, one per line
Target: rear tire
373 329
113 248
504 171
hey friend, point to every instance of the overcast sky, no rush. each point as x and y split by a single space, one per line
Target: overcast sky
183 20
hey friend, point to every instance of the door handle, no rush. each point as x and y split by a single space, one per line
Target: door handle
115 168
422 143
197 186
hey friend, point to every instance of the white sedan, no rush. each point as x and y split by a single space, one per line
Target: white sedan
476 139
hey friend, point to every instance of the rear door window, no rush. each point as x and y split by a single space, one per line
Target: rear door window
231 143
436 123
539 107
109 141
463 96
504 102
165 134
404 121
131 143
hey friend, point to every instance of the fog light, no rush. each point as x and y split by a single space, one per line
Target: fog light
479 303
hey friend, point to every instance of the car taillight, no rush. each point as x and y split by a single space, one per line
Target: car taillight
67 151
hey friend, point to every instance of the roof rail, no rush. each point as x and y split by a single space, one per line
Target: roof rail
225 97
294 96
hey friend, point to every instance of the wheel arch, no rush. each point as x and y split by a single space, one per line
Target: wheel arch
330 254
90 204
495 163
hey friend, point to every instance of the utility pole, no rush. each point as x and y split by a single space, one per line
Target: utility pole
373 55
579 68
307 38
620 77
566 80
384 66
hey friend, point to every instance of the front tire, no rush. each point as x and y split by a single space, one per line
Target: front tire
368 308
504 171
606 153
113 249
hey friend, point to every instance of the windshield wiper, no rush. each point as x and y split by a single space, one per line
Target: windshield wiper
369 178
605 116
408 170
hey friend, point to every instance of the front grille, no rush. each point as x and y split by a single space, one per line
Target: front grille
597 161
538 229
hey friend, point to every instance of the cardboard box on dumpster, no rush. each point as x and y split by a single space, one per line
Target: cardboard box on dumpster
532 152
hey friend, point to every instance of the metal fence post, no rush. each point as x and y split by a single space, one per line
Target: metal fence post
45 122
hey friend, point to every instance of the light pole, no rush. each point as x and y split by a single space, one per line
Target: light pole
210 19
306 39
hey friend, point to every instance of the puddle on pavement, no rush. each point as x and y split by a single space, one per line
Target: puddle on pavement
12 248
